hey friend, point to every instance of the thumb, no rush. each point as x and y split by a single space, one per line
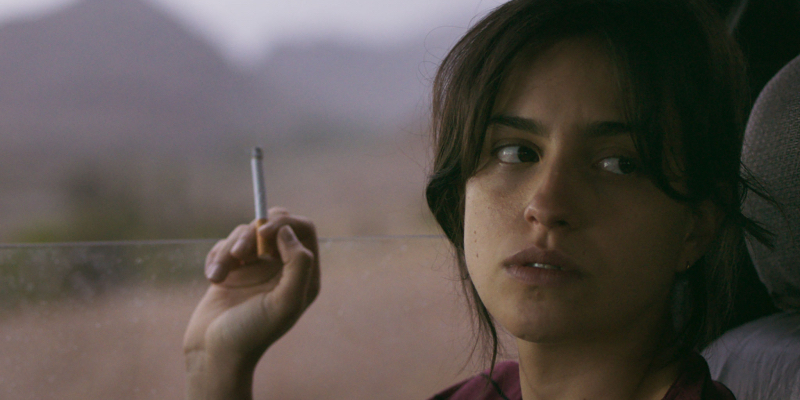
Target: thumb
287 241
298 263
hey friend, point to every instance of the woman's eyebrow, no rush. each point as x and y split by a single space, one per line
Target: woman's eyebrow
523 124
593 130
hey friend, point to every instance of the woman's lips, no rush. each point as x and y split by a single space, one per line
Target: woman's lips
537 267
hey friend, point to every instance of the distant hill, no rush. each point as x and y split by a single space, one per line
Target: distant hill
106 74
376 90
117 72
117 122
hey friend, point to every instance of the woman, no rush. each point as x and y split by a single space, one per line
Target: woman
587 175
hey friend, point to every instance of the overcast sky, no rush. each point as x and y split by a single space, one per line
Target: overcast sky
244 29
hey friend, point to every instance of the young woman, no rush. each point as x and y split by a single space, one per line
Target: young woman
587 175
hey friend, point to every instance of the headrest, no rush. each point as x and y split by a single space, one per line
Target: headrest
772 152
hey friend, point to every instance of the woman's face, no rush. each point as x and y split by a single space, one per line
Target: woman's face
565 238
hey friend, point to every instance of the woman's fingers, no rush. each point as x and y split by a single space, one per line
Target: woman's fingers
212 254
212 269
305 232
239 250
244 249
223 261
303 228
314 281
291 296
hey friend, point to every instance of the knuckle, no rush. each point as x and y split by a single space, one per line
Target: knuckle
277 221
242 228
216 247
304 221
278 211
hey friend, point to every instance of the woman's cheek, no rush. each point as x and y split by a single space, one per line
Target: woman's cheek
488 221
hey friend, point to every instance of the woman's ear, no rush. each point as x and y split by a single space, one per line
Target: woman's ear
705 224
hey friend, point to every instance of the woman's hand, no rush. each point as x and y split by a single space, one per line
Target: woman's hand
251 303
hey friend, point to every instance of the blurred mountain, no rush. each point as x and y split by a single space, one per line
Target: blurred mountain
116 73
120 73
117 122
331 88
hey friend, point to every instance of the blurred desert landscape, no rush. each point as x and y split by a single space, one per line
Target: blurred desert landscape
120 123
125 155
389 323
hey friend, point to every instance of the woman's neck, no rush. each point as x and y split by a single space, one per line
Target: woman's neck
615 369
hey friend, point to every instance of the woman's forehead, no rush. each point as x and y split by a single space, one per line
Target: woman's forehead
574 76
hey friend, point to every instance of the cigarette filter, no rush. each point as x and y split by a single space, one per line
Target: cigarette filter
260 196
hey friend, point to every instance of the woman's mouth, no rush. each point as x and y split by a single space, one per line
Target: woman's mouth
542 268
543 259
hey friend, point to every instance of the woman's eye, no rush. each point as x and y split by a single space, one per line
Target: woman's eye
516 154
619 165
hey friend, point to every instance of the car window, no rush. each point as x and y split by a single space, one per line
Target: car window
105 320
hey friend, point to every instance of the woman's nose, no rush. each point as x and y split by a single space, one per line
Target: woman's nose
553 198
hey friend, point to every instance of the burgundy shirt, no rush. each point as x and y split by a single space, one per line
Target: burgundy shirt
694 383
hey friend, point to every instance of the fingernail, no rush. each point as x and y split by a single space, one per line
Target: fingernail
287 234
213 272
237 247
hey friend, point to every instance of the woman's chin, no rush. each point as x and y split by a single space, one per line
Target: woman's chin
538 329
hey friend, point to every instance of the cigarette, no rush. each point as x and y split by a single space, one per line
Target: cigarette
260 196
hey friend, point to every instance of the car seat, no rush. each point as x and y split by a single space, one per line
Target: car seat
761 359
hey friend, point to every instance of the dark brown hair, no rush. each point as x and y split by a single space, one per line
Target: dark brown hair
683 79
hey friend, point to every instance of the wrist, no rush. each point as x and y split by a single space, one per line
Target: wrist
210 377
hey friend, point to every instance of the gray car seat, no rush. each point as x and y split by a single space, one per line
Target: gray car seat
761 359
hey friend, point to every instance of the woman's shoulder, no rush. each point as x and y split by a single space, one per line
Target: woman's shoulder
695 383
502 385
